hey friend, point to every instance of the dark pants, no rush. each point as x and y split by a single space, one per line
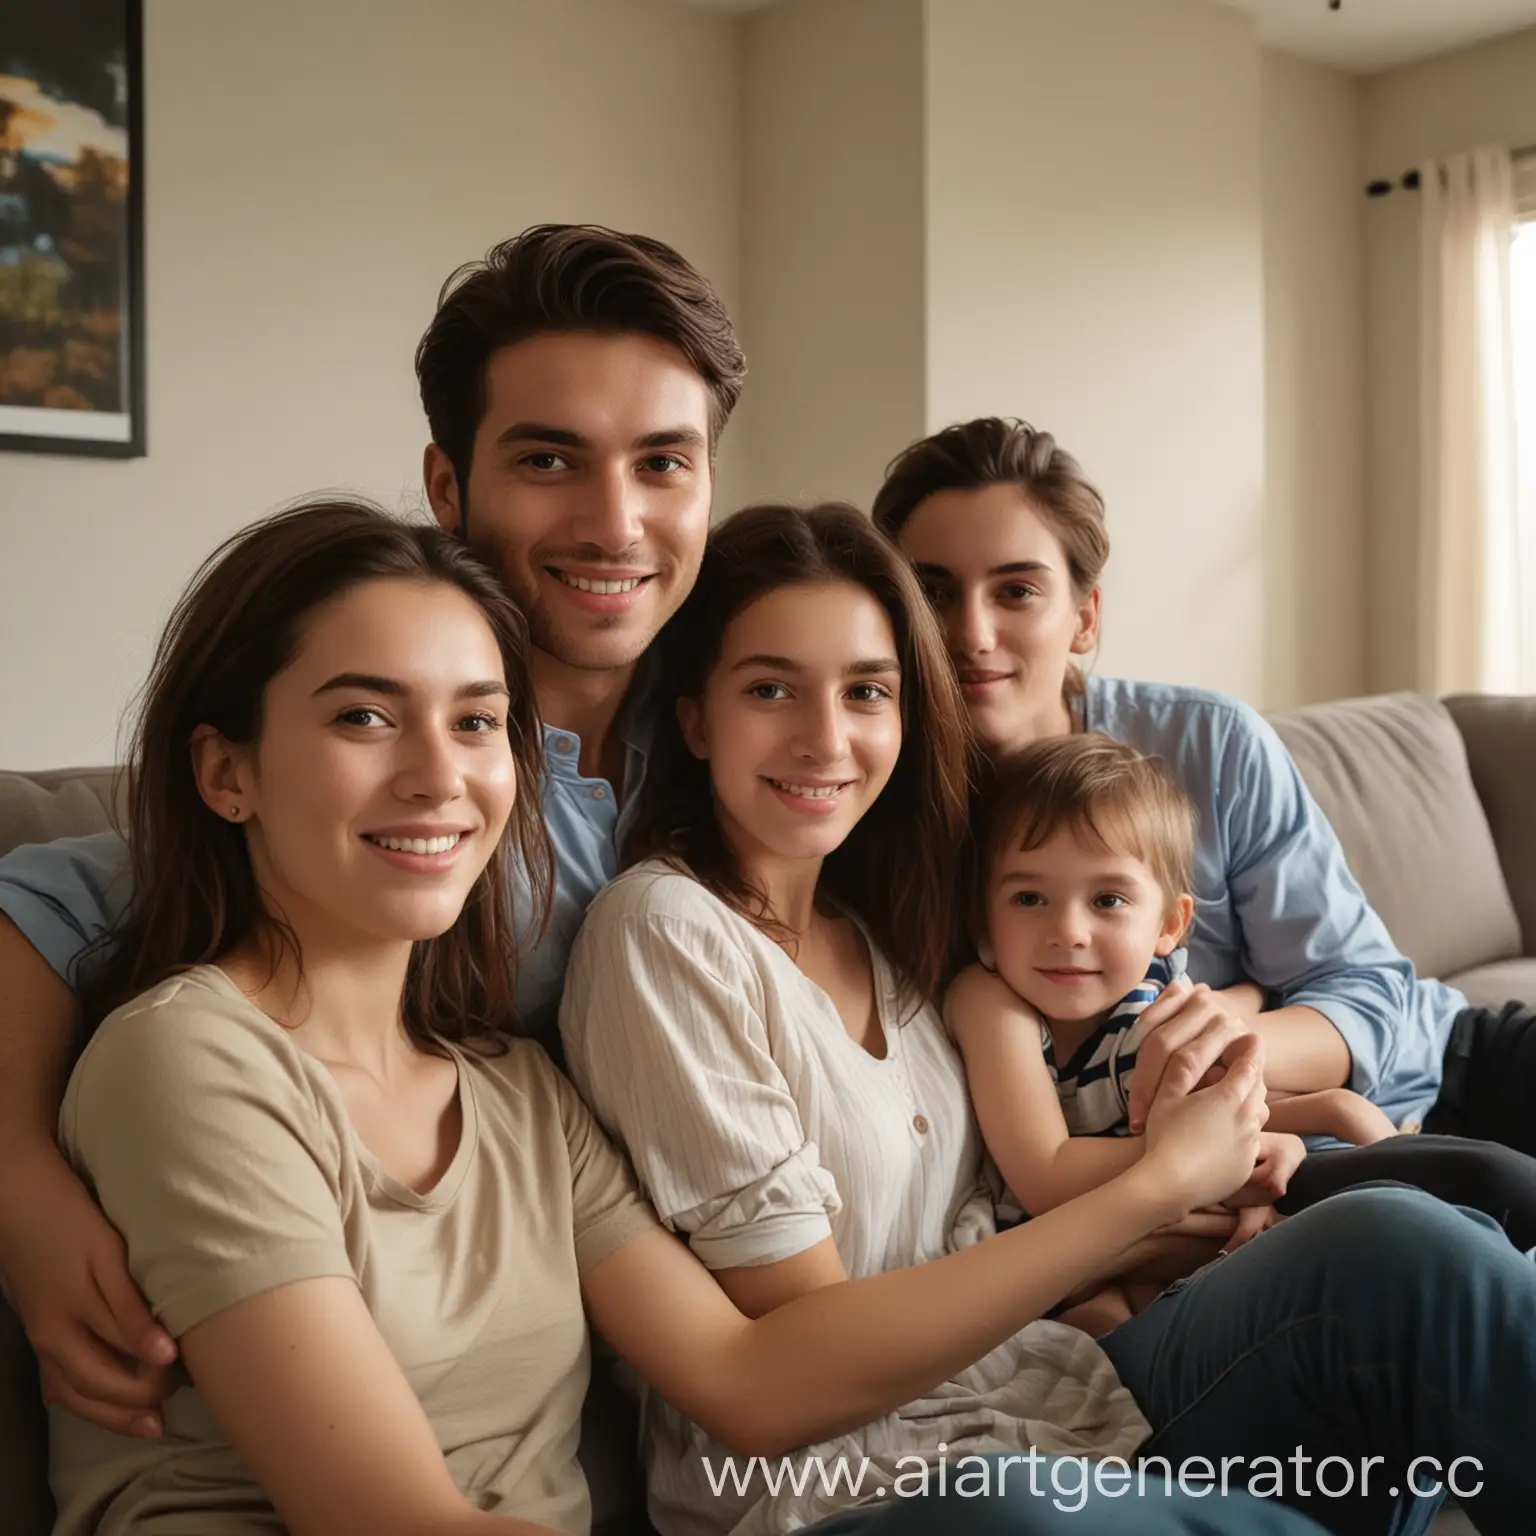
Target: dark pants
1479 1143
1379 1327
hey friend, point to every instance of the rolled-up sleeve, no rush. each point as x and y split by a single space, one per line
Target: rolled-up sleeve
665 1038
65 895
1309 934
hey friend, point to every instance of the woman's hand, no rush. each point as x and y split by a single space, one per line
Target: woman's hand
1203 1145
63 1268
1191 1037
1210 1222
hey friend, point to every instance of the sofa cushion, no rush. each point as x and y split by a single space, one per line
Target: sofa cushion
1500 738
1391 776
68 802
1505 981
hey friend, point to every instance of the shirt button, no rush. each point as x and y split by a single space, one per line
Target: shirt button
564 744
920 1124
599 793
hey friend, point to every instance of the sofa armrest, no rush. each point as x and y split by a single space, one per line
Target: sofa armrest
1500 736
25 1507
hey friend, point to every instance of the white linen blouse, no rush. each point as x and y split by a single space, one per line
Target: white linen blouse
759 1127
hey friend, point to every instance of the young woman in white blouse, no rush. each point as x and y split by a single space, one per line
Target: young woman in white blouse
749 1011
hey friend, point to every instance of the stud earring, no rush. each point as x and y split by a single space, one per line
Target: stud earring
234 813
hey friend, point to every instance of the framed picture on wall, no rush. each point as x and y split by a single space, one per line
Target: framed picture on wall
72 227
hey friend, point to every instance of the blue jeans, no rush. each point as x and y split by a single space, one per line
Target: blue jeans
1155 1510
1381 1323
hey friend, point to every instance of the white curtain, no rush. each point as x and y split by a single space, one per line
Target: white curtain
1470 555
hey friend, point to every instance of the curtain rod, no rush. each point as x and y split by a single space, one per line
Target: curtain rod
1409 180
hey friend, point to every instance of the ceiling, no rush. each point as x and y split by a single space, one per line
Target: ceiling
1362 36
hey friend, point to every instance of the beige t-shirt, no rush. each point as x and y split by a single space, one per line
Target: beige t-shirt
223 1154
759 1128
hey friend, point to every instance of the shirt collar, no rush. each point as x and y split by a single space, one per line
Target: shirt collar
636 724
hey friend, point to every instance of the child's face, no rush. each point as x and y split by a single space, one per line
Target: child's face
1074 926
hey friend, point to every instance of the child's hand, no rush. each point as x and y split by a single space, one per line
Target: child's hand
1280 1155
1356 1120
1106 1308
1251 1221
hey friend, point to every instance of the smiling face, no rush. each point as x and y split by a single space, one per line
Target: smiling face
800 720
1074 923
998 577
383 775
589 489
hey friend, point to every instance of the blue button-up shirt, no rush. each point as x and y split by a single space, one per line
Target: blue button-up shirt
65 894
587 827
1274 900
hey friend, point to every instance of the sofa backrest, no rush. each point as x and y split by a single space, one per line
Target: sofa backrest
63 802
1500 737
1390 773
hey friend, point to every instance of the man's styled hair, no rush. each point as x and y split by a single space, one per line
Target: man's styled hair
567 277
1103 792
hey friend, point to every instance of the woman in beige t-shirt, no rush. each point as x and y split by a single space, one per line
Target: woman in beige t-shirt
375 1227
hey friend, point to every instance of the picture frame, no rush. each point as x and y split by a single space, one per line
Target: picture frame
72 227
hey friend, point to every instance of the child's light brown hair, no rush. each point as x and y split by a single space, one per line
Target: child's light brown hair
1095 787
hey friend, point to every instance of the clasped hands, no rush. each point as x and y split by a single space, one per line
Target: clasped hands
1191 1036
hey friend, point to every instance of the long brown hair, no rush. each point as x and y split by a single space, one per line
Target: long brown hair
240 622
898 868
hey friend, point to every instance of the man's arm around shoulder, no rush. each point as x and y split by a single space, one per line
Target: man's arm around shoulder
62 1267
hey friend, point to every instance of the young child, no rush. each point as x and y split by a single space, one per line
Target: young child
1084 854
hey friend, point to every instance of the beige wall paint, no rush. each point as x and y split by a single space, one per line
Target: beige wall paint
1094 265
1439 107
314 173
1315 612
832 244
1119 218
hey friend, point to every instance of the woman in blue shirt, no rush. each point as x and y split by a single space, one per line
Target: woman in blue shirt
1009 538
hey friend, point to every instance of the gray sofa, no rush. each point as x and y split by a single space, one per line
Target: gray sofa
1432 800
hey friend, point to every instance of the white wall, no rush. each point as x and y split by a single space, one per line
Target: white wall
832 244
314 171
1438 107
1094 265
1315 609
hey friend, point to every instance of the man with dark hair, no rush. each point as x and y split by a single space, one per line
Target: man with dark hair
576 383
